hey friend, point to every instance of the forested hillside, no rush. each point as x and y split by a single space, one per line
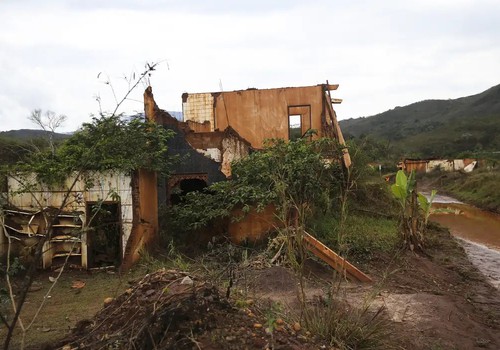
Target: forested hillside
16 144
436 128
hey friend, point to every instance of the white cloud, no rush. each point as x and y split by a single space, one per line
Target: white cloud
383 54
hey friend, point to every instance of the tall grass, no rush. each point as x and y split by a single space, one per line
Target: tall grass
363 238
481 188
348 327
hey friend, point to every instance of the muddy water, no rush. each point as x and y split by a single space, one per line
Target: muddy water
478 231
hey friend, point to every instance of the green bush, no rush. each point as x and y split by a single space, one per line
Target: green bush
283 173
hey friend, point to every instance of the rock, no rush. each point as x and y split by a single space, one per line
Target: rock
78 284
35 286
108 301
52 279
302 338
257 325
296 327
280 322
187 280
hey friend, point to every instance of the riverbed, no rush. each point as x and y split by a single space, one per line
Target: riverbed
477 230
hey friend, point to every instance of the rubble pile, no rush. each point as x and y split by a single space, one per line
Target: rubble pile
170 310
163 309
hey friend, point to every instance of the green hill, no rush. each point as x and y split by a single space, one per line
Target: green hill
30 134
436 128
15 145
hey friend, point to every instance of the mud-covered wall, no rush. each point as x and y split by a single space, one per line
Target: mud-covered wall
233 148
191 161
144 231
262 114
254 226
256 115
419 166
199 107
103 186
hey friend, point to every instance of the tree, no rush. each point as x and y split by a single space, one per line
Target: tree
49 122
106 143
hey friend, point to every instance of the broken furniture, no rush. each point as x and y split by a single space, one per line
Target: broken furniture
66 236
66 242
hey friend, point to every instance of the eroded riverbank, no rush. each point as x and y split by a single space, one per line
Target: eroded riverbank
478 232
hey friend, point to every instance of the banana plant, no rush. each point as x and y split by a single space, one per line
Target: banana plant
426 204
403 187
415 209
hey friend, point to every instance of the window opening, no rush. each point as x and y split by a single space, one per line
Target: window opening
294 127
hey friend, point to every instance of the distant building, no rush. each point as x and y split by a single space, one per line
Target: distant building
429 165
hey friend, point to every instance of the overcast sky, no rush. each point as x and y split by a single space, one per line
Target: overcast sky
382 53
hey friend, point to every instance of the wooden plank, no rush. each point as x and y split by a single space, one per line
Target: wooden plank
333 259
337 130
336 101
332 86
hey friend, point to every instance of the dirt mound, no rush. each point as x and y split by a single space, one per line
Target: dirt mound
171 310
275 278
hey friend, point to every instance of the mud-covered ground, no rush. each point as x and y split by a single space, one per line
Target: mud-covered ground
442 301
437 300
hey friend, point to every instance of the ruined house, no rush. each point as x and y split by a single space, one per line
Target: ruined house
225 126
218 128
125 222
221 127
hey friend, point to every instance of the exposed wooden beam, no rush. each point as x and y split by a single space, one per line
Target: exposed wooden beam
336 101
332 86
333 259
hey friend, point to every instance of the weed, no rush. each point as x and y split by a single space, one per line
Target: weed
241 304
173 259
347 327
272 314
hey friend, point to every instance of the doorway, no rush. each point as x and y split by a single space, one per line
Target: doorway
104 238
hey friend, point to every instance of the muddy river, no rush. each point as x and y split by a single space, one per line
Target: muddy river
477 230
